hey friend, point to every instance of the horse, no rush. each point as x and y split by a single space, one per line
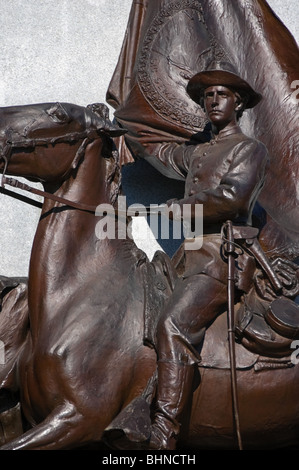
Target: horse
72 309
84 352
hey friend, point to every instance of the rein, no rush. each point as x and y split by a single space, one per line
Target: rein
88 135
25 187
143 211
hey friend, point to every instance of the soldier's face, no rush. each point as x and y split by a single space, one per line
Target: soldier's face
221 105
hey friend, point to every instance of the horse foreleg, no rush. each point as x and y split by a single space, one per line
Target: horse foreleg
62 429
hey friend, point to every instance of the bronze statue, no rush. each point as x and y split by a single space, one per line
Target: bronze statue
157 60
166 44
94 303
63 344
226 175
81 338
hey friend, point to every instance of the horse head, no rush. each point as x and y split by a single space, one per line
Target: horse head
45 141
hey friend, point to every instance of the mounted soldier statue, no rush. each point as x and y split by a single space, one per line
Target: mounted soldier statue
107 349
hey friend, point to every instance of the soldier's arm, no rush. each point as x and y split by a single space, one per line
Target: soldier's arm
238 190
170 159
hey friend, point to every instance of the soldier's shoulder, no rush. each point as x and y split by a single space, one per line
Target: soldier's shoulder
254 143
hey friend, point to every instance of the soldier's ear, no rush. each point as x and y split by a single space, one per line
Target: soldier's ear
239 101
240 105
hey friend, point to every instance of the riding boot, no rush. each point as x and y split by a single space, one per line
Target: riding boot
174 389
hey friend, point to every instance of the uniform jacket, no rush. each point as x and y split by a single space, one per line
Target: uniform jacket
226 175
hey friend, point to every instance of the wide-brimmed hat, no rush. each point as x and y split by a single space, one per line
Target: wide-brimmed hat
221 73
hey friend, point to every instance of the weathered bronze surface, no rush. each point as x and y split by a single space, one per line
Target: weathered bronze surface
83 312
167 43
165 46
80 334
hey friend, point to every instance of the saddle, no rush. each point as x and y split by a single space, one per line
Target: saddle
264 329
264 333
266 319
268 328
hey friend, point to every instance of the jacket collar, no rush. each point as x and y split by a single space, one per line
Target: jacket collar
226 132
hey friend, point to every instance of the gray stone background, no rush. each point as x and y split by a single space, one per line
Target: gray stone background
65 50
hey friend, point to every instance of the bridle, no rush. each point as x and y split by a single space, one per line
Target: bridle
87 136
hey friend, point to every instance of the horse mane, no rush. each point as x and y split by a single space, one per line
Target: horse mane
113 169
110 151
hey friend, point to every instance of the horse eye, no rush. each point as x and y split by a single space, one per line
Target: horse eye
58 113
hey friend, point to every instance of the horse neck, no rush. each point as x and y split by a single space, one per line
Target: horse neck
65 239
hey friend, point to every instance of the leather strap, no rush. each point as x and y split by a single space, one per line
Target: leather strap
25 187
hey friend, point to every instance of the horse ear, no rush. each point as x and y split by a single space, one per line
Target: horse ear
103 123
